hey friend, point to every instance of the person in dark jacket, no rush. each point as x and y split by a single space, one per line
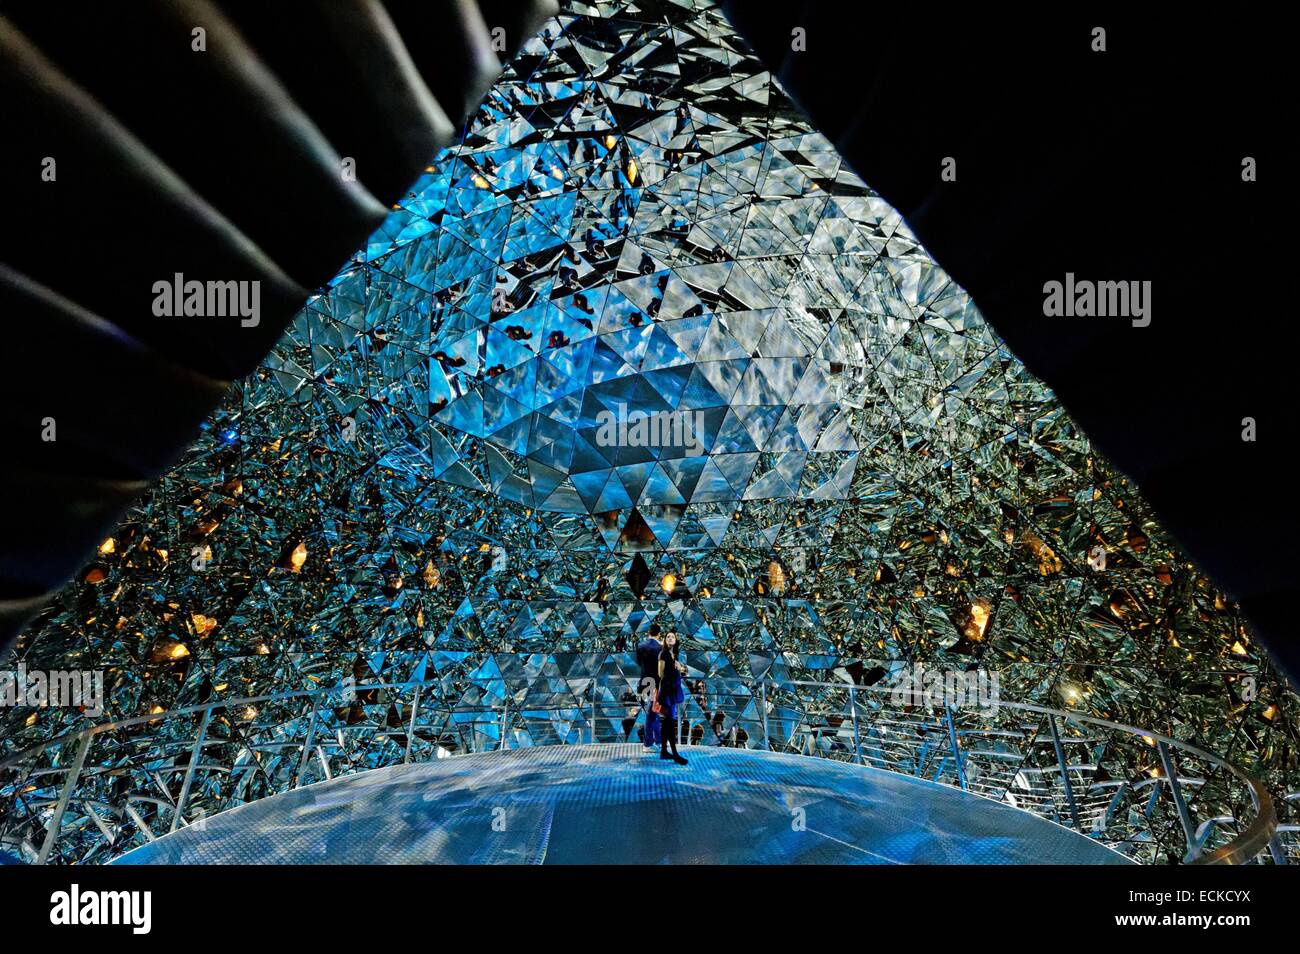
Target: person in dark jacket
670 697
647 657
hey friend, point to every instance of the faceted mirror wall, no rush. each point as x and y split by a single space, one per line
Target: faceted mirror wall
638 223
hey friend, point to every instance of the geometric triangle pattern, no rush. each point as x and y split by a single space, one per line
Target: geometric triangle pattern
654 242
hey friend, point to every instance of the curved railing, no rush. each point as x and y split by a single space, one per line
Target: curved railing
92 795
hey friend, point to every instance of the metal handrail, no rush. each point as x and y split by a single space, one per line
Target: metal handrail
1257 837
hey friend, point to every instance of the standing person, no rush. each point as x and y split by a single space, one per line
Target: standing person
670 697
647 657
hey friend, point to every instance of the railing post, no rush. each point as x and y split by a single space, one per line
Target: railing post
956 754
1275 849
505 722
56 821
1184 816
307 742
1065 772
189 772
593 710
762 701
410 727
853 709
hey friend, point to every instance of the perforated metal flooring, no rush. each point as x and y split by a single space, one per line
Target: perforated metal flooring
618 804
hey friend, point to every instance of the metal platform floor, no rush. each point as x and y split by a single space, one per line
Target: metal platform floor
620 804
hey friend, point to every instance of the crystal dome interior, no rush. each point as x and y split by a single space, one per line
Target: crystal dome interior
637 217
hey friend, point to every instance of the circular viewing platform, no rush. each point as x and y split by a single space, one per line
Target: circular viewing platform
622 804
